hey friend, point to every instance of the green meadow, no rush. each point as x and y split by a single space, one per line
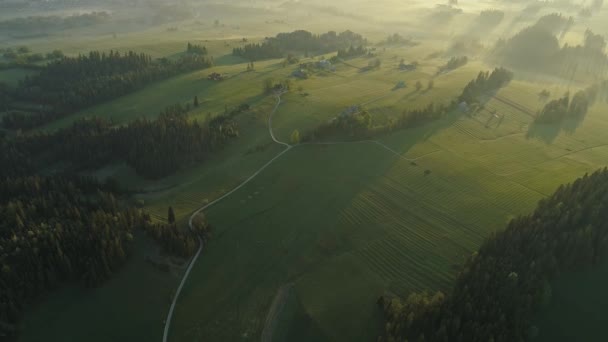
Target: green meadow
347 223
131 306
332 226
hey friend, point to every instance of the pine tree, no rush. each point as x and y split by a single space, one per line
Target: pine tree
171 216
195 101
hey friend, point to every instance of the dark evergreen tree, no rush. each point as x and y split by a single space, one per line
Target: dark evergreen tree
284 43
171 216
73 83
501 286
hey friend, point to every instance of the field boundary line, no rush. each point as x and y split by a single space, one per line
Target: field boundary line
288 148
201 209
277 306
367 142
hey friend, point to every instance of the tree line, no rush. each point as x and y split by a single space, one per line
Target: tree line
357 122
53 22
64 228
73 83
454 63
485 82
539 48
196 49
572 107
154 148
504 284
55 229
299 41
352 51
562 108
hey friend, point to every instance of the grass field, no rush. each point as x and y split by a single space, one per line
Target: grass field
339 224
242 87
346 223
131 306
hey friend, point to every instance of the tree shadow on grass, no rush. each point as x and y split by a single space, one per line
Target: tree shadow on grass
419 134
229 60
544 132
549 132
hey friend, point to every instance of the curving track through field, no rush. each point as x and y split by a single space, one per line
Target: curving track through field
288 148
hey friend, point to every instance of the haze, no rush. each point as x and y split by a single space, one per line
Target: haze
313 170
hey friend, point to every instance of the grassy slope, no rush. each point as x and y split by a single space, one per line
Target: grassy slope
363 223
129 307
345 223
242 87
348 222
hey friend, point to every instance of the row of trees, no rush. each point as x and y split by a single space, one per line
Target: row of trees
299 41
454 63
53 22
503 285
22 55
196 49
352 52
154 148
564 108
396 38
357 122
537 47
491 17
574 107
73 83
485 82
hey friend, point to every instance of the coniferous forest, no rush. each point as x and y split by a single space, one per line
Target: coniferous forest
154 148
300 41
73 83
389 171
56 229
64 227
503 285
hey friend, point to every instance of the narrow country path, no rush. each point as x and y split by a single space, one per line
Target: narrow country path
288 148
200 241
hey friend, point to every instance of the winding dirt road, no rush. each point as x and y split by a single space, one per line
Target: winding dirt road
267 329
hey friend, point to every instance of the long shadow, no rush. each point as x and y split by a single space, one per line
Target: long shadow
549 132
419 133
229 60
544 132
426 131
480 28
